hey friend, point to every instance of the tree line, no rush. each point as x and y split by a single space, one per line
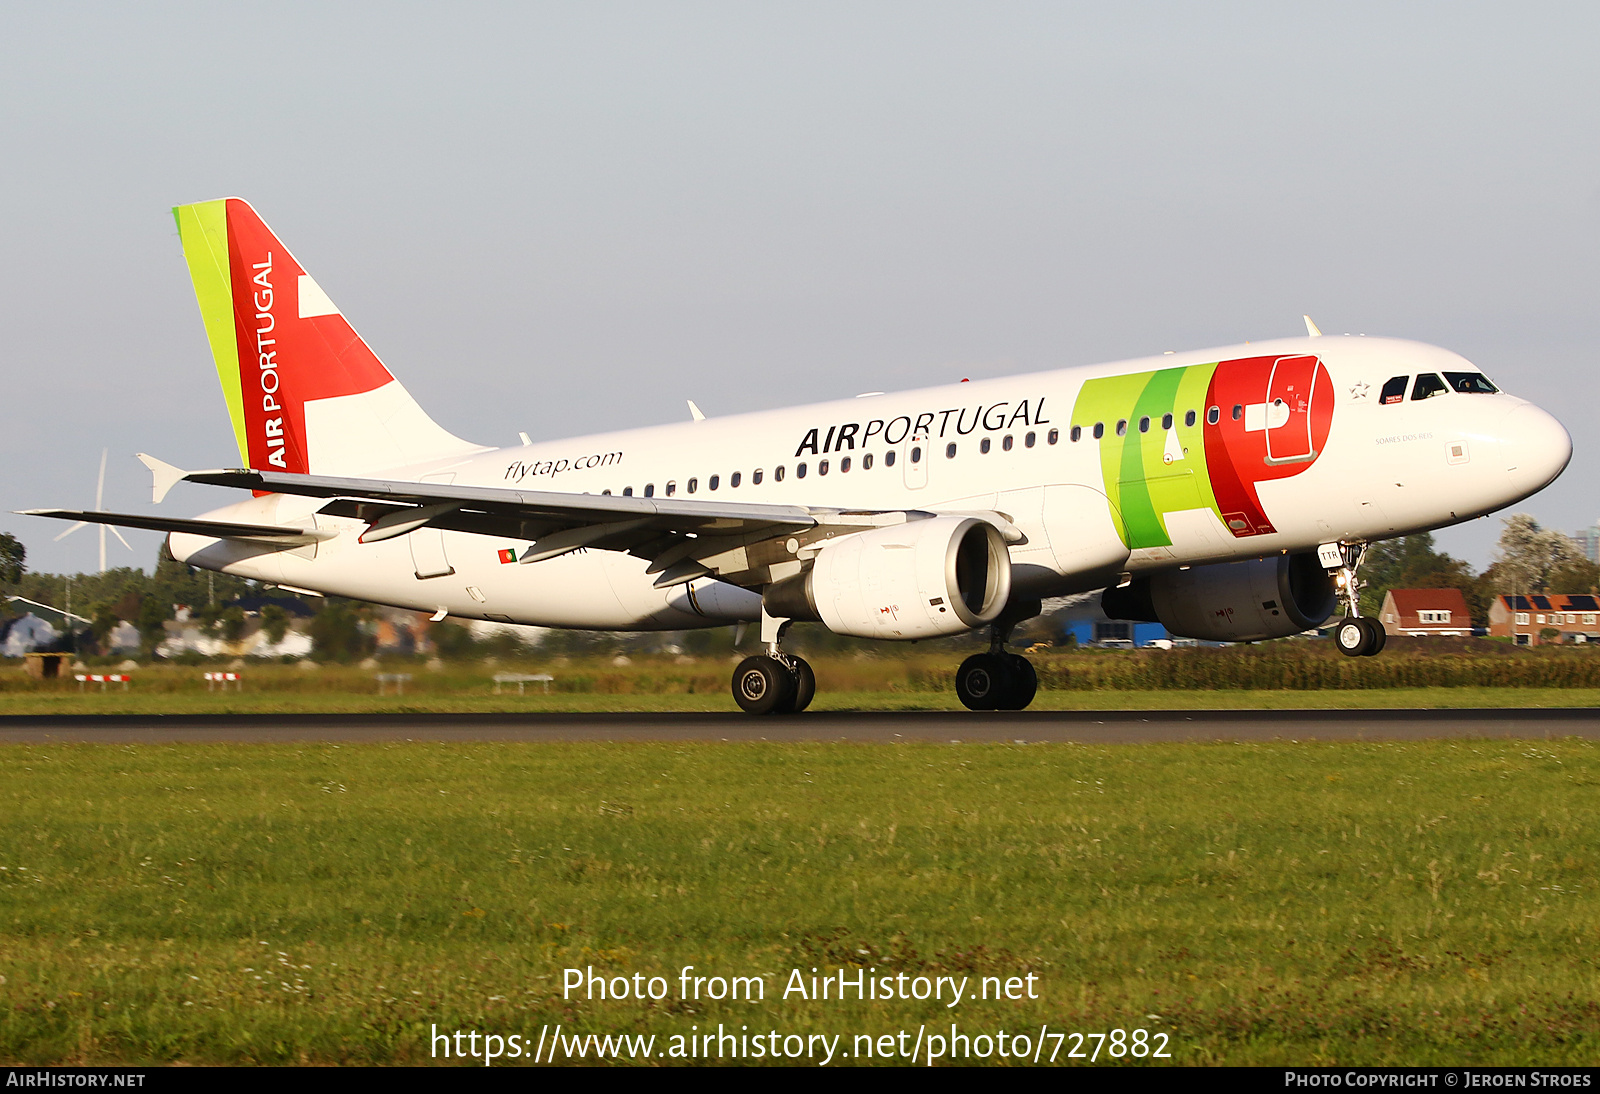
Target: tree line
1528 560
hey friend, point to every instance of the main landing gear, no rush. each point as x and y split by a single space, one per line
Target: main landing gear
773 682
1356 635
998 680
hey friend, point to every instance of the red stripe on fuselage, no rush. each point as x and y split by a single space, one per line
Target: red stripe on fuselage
1290 402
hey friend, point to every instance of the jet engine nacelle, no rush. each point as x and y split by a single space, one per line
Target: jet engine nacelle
921 579
1231 601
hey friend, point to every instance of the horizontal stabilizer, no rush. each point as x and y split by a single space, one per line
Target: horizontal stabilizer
277 535
165 476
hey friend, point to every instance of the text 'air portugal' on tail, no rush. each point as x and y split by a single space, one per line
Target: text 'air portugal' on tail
304 392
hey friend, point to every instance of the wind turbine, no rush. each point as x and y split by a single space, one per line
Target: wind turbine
99 499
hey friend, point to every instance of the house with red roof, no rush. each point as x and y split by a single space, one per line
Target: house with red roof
1422 612
1575 616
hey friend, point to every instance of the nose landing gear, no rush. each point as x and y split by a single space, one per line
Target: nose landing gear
1355 635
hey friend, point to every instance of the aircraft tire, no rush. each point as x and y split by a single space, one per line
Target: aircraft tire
1352 636
983 681
1024 683
805 686
1378 638
762 685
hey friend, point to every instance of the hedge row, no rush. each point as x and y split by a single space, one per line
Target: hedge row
1292 668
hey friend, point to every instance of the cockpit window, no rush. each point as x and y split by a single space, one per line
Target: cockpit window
1427 386
1470 383
1394 391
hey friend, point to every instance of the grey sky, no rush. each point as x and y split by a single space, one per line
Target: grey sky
564 218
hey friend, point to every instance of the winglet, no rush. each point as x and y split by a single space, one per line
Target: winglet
1311 328
165 476
695 412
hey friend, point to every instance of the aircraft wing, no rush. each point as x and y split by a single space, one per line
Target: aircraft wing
683 538
274 534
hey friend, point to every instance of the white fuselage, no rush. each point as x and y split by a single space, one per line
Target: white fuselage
1383 470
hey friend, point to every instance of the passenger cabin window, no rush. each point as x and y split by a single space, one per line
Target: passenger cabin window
799 470
713 482
755 477
984 446
777 473
733 479
1076 434
694 484
822 467
1470 383
1188 419
950 451
1027 441
916 454
888 458
1214 415
1394 390
1144 424
627 491
1099 430
844 465
1055 435
1006 443
672 488
866 462
1427 386
1122 427
649 489
1238 411
1166 421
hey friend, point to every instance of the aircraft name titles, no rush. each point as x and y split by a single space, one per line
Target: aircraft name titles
268 360
994 416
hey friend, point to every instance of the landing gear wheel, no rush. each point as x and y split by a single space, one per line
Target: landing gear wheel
1024 683
805 686
1354 637
1359 637
763 685
1379 636
984 680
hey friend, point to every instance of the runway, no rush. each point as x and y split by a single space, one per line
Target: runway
1025 727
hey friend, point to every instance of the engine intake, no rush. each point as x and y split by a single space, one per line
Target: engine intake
1232 601
921 579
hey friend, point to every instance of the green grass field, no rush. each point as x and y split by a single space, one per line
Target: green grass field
1257 904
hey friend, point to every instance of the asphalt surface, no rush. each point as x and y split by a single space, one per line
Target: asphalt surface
1087 727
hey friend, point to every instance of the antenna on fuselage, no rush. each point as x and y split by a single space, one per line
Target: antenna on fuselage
1311 328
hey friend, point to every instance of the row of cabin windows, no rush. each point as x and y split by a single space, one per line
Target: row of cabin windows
1098 430
1007 443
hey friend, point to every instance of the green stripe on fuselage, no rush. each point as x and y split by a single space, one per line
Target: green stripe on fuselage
1142 483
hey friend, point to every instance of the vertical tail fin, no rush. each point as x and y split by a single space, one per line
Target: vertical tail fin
304 392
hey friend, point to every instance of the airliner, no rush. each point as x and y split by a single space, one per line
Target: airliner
1227 493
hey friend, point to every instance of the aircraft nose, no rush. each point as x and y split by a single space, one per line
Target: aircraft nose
1536 447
